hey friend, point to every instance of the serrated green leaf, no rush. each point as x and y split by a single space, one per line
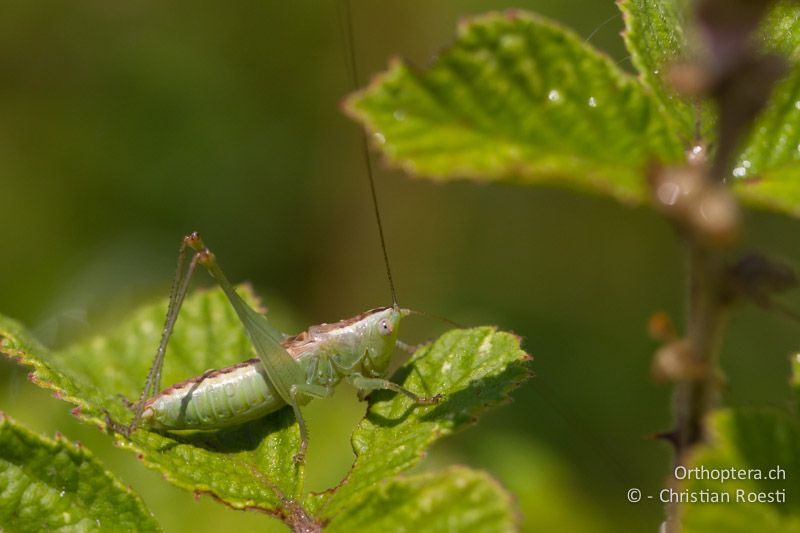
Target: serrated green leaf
510 100
456 499
752 441
475 369
519 99
766 172
655 36
49 485
251 466
779 31
245 466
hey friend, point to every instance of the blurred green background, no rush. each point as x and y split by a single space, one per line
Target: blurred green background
124 126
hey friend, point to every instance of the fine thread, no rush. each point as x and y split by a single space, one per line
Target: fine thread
345 21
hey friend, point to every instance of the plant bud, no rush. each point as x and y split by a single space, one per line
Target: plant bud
697 154
690 79
715 216
675 189
660 327
674 362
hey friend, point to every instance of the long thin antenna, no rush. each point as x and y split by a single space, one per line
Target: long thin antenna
437 317
353 70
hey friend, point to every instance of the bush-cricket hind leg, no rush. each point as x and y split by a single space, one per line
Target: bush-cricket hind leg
180 286
283 371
